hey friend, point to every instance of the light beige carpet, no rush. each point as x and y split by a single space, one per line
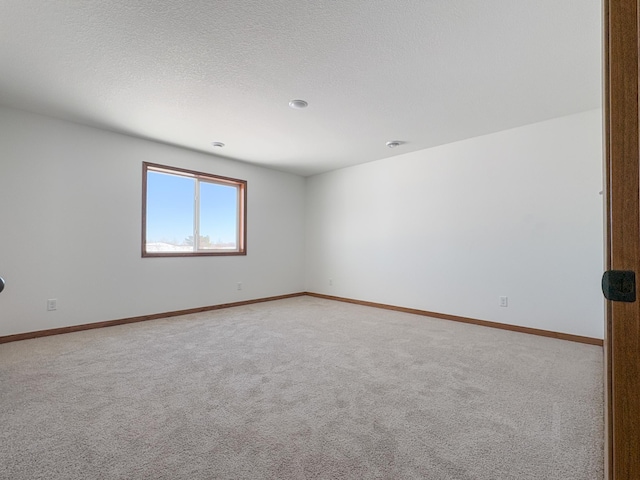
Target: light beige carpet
303 388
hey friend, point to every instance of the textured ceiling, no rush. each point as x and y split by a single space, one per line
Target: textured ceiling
425 72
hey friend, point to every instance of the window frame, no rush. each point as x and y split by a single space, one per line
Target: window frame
241 185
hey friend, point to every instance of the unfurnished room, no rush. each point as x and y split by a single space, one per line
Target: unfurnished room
317 240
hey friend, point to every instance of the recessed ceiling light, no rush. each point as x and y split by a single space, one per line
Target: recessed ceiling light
298 104
394 144
217 144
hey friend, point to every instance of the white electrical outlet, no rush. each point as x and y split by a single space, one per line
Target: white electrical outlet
239 285
504 301
52 304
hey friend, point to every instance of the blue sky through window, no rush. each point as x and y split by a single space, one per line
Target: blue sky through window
170 209
218 212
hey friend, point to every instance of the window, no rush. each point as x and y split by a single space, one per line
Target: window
186 213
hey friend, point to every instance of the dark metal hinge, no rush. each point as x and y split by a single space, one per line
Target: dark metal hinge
619 285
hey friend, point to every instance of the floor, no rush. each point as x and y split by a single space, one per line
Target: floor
302 388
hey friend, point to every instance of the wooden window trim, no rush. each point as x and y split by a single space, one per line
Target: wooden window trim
242 210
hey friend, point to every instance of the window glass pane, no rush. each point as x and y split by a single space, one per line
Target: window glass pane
169 212
179 202
218 216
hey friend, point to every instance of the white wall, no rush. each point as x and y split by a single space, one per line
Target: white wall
449 229
70 228
452 228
